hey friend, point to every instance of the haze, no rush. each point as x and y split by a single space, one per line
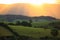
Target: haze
30 7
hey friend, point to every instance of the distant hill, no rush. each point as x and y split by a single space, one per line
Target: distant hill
44 18
11 18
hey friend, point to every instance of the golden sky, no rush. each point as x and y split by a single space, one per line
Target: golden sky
27 1
32 7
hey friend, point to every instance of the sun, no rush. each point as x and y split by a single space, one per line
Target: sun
40 2
34 2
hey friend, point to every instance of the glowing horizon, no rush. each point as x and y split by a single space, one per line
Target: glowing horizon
32 8
35 2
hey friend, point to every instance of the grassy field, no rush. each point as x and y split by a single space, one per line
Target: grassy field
29 31
4 32
44 23
33 32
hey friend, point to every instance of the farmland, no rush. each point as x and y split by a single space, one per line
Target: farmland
24 29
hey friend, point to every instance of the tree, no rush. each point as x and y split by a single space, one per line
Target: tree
29 24
54 32
55 24
18 23
30 21
25 23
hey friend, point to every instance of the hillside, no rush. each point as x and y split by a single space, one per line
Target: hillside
11 18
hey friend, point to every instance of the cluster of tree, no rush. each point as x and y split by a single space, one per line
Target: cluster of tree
23 23
55 24
54 32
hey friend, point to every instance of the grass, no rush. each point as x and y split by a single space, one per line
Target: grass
33 32
4 32
44 23
27 31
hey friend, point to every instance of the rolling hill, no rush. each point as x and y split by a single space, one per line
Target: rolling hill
11 18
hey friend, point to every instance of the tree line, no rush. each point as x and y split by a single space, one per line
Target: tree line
23 23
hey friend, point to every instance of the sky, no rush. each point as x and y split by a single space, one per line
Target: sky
27 1
33 7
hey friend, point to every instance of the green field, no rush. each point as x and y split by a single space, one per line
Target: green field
27 31
4 32
30 31
33 32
